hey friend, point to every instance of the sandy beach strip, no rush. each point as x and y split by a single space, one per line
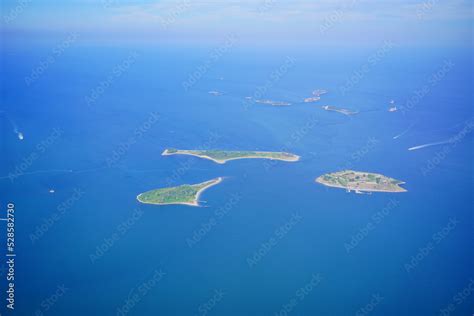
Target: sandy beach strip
362 189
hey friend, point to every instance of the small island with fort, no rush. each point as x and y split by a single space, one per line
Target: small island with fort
361 182
187 194
222 156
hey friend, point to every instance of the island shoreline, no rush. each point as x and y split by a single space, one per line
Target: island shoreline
362 190
166 152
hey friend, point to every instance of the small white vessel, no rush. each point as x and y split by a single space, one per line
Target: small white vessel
216 93
393 109
20 136
51 191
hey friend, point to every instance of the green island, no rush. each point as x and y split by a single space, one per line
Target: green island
222 156
361 181
311 99
187 194
339 110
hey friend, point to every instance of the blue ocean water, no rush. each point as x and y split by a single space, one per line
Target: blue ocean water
269 240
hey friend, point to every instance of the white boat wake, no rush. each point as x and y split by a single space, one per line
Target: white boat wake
429 145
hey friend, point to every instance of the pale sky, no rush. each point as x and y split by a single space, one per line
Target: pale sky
348 21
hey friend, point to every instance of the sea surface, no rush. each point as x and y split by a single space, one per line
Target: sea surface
268 240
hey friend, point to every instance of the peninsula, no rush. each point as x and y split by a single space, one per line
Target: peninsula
187 194
361 181
222 156
335 109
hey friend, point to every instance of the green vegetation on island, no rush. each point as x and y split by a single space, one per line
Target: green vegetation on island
361 181
187 194
222 156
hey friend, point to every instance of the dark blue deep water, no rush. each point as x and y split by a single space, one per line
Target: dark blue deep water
269 240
